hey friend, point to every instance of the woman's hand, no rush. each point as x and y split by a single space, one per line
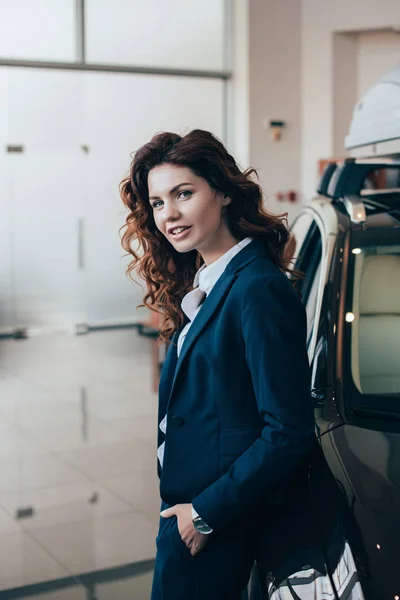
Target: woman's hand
193 539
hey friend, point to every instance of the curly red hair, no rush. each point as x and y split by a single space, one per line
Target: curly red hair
169 274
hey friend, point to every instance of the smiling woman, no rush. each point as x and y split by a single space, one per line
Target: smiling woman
190 213
234 430
191 182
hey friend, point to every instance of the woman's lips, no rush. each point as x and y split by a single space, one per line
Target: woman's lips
182 234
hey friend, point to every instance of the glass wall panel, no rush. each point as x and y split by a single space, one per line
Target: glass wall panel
41 115
77 132
45 233
122 112
6 291
6 305
38 30
156 33
43 109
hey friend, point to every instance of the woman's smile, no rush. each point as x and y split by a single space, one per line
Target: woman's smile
178 232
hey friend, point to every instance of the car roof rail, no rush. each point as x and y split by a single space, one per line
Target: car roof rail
355 209
326 177
349 176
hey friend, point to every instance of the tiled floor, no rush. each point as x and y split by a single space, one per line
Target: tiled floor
78 486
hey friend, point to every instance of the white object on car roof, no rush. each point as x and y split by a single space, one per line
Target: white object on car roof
376 119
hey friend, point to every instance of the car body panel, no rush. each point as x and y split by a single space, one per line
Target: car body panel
365 464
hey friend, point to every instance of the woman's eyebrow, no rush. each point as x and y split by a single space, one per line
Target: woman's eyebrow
174 189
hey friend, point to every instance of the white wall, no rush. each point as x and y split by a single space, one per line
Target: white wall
377 53
321 19
275 93
344 87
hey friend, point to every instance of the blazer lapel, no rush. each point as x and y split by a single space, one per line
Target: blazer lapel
207 310
167 371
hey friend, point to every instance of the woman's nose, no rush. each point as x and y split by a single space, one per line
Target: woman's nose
171 212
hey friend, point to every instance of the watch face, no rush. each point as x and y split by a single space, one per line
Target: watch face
201 526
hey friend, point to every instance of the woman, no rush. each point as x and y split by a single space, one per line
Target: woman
235 418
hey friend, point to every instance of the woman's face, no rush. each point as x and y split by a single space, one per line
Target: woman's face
179 198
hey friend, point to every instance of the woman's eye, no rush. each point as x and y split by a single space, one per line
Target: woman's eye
184 192
155 205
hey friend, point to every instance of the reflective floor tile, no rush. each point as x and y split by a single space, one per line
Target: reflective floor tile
105 461
74 410
100 543
6 426
63 504
92 431
140 427
140 489
28 417
24 561
17 444
68 593
133 588
14 389
99 389
7 523
37 472
113 372
139 405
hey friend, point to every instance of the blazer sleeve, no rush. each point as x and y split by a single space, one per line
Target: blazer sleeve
274 328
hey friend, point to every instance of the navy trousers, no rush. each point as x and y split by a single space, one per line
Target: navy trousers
220 571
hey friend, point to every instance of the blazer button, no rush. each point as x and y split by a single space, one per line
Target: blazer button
177 421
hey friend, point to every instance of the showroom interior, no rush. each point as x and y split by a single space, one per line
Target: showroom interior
83 84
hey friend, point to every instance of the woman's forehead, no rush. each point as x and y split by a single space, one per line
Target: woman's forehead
163 178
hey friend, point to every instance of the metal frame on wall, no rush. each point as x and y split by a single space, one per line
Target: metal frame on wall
81 65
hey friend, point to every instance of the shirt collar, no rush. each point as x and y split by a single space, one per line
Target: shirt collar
207 275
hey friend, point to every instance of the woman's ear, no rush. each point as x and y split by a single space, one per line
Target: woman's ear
226 200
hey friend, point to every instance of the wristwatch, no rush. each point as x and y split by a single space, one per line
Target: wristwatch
201 526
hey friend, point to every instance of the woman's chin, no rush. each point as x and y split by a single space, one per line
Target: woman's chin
183 247
182 250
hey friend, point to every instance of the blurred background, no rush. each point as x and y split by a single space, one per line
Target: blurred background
83 84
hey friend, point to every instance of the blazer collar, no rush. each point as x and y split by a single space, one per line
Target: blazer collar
254 250
251 252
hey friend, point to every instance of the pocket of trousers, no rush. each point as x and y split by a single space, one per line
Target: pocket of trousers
163 528
178 545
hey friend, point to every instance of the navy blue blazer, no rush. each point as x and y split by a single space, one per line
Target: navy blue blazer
239 413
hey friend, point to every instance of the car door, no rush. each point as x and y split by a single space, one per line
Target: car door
363 453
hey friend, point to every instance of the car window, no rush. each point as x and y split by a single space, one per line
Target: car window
374 319
299 230
311 303
308 256
381 179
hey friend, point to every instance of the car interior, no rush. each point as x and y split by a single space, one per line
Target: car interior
375 356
